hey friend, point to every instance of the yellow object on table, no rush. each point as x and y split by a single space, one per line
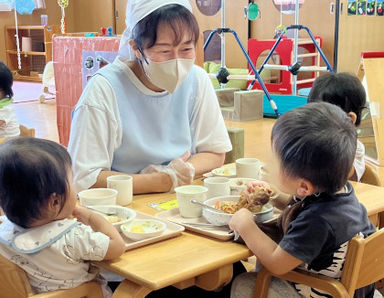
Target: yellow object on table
194 259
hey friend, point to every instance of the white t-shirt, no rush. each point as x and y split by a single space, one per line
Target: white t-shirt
65 263
359 162
96 130
11 127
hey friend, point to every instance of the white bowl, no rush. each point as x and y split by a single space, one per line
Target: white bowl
140 229
228 171
237 188
126 215
221 219
98 196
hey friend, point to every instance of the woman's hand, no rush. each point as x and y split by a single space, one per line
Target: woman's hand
82 214
179 170
241 221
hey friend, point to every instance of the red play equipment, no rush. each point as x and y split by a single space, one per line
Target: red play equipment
285 51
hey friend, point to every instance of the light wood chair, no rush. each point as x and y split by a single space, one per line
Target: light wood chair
363 266
27 132
14 283
370 175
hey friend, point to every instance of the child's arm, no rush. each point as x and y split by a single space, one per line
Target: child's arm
272 256
99 224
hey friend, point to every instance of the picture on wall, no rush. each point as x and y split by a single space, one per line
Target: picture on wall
371 7
361 7
380 8
352 7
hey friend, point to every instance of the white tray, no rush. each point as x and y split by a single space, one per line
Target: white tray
173 215
171 231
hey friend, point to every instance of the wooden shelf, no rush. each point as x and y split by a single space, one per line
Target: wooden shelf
34 61
14 52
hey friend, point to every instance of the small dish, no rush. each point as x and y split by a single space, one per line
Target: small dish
140 229
228 171
123 215
222 219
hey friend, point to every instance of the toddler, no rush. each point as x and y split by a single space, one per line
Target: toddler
39 233
9 125
346 91
314 148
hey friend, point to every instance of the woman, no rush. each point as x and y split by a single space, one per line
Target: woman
150 113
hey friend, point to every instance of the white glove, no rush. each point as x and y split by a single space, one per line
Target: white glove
179 170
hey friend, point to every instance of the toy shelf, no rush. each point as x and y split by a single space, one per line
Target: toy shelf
34 61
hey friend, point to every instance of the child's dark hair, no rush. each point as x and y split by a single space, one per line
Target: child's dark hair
179 18
6 80
31 170
316 142
342 89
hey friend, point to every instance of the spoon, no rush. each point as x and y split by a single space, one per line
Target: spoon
207 206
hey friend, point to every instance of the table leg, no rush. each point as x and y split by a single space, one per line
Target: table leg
128 289
212 280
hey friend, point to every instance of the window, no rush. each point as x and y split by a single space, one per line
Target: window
6 5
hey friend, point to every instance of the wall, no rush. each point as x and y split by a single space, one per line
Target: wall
314 14
91 15
358 34
54 15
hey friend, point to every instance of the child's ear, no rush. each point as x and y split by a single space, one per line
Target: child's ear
54 202
353 116
135 49
305 188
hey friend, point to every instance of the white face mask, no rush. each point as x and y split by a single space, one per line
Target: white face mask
168 75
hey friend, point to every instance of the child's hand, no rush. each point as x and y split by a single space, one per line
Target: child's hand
82 214
251 185
241 220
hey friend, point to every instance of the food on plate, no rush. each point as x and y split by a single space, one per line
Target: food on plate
253 201
113 218
239 182
146 227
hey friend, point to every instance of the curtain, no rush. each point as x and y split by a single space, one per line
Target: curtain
39 4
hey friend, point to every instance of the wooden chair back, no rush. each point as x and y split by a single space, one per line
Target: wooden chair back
370 175
14 283
363 266
27 132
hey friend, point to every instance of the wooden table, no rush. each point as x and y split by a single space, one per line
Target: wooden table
193 259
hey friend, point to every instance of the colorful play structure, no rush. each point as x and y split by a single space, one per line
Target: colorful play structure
288 51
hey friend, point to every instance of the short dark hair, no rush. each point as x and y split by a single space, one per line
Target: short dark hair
179 18
316 142
31 170
342 89
6 80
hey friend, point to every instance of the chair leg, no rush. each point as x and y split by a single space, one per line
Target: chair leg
263 281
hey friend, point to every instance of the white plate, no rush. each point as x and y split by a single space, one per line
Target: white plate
226 171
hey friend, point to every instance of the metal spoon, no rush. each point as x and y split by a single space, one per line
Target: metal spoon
207 206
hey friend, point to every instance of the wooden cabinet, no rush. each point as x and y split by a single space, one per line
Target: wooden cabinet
32 61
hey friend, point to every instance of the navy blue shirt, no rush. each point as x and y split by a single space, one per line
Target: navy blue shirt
325 223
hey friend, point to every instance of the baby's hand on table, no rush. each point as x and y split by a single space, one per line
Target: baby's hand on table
82 214
241 220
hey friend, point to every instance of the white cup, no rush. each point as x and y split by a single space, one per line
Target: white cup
217 186
185 194
123 185
97 196
248 168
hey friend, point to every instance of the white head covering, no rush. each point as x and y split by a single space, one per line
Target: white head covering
136 11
